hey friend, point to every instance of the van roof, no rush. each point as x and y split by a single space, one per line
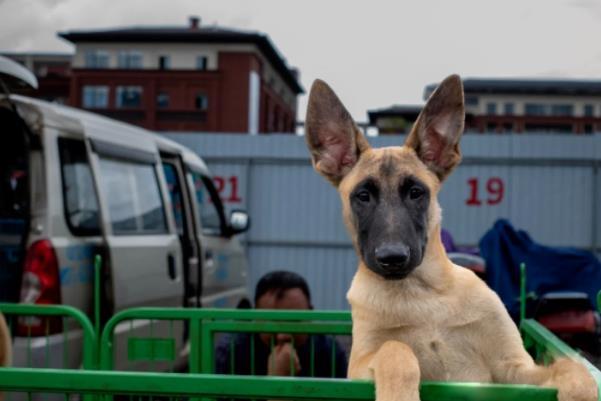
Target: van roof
96 126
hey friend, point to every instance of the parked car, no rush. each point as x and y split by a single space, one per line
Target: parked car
74 184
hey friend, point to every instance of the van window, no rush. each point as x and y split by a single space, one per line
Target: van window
79 195
208 203
133 196
175 194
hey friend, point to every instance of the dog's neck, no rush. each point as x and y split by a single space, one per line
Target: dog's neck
432 276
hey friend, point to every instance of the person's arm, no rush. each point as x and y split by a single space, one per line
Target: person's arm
279 361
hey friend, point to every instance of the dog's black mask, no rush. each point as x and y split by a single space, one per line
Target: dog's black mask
391 218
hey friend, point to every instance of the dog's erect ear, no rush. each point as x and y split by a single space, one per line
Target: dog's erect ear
333 138
437 130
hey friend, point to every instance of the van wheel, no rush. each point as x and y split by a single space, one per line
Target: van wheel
244 304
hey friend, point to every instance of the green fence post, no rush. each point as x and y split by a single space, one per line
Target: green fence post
195 350
522 291
97 268
208 351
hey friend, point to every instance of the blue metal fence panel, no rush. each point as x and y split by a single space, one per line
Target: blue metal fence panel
548 185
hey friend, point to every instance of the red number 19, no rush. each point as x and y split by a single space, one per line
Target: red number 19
495 188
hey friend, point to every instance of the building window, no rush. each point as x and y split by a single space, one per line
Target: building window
201 101
589 110
201 63
129 96
130 60
95 97
162 100
562 110
588 128
509 110
164 63
535 109
471 100
491 127
491 108
96 59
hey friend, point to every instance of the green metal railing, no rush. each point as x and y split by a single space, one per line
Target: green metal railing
247 387
90 343
204 323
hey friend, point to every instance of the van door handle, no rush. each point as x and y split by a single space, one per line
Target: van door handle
209 263
171 267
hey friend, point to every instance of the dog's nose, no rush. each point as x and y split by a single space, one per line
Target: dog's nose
392 255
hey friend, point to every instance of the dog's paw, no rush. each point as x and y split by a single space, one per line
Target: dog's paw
573 381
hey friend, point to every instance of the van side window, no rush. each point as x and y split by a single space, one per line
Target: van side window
208 203
79 195
133 196
175 193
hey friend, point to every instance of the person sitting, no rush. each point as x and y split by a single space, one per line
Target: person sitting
281 354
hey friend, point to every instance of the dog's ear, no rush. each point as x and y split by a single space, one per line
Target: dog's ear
436 132
333 138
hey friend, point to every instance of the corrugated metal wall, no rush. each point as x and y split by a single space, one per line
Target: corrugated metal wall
548 185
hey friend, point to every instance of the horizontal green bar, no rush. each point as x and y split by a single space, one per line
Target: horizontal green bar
544 337
230 386
230 314
150 349
341 328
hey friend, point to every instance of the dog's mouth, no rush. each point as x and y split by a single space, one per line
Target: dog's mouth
395 272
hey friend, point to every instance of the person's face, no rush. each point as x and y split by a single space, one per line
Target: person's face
294 298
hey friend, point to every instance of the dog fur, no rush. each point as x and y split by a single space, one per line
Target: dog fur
5 347
5 343
418 316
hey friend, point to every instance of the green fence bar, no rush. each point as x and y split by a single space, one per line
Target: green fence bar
90 344
230 386
546 342
203 323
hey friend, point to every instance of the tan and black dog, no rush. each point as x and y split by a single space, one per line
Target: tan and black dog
5 347
416 316
5 343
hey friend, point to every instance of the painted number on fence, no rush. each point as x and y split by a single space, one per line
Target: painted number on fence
227 187
491 194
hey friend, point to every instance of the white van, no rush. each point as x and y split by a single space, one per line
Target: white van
74 184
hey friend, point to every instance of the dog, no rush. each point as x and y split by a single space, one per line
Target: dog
5 343
416 315
5 347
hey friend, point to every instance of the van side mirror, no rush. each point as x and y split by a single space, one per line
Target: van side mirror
239 222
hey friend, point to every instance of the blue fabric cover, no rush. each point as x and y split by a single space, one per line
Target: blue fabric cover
548 269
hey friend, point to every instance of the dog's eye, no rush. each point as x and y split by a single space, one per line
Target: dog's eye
363 196
416 192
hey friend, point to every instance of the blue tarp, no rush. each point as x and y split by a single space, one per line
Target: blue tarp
547 268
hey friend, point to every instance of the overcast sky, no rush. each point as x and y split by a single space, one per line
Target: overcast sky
373 53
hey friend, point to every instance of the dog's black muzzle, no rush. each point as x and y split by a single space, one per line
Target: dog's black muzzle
393 261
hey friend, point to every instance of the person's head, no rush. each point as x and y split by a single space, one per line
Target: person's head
283 290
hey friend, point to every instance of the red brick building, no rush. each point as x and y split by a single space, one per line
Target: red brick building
513 105
192 78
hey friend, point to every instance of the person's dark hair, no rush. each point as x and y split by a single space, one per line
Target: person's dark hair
279 282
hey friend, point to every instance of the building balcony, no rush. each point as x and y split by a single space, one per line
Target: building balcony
181 115
134 116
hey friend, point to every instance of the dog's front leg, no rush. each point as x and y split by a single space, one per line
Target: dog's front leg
395 370
573 381
512 364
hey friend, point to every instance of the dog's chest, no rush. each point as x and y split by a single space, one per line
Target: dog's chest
444 355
